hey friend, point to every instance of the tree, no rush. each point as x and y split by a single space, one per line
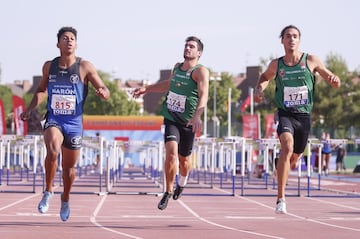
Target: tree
350 93
6 95
118 104
267 106
335 110
222 104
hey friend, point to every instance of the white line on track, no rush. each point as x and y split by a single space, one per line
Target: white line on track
93 221
250 218
223 226
147 216
19 201
345 219
21 214
334 204
301 217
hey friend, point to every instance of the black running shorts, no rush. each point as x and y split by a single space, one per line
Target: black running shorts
181 134
298 124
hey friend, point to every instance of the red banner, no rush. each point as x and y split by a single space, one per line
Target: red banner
246 103
270 124
250 126
2 119
18 108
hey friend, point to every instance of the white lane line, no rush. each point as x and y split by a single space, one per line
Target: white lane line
332 225
334 204
18 201
323 182
223 226
298 216
22 200
93 221
250 218
345 219
147 216
22 214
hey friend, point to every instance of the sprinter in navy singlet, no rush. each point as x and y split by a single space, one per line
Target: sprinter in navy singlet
66 96
65 82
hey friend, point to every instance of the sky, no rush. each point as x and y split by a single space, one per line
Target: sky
135 39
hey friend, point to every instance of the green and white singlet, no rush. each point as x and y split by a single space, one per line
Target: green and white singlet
182 99
295 87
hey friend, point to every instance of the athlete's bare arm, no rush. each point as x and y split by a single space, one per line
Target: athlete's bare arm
40 94
201 76
88 70
317 66
264 79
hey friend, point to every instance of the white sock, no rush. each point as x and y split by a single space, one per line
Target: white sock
183 180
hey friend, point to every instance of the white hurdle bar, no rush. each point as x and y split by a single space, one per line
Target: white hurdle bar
17 151
151 161
238 142
213 155
205 149
266 144
319 145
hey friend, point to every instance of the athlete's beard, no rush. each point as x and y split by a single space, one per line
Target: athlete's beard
189 58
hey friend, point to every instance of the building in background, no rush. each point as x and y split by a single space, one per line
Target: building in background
149 103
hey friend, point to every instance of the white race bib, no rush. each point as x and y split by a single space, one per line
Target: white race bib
63 104
296 96
176 102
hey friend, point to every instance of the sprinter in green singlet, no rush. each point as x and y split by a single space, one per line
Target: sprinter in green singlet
186 98
294 95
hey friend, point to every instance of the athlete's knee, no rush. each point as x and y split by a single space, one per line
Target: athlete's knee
171 156
68 172
52 155
53 148
184 159
287 149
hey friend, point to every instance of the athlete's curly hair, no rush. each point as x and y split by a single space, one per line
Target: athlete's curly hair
66 29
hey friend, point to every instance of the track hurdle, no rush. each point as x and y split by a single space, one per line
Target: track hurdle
238 143
266 146
91 165
5 143
269 147
227 162
214 160
88 175
320 177
15 158
319 146
204 163
130 178
205 167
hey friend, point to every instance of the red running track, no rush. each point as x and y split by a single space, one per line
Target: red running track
132 215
